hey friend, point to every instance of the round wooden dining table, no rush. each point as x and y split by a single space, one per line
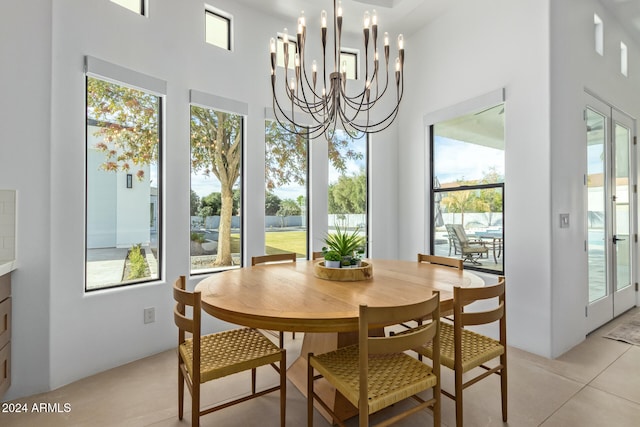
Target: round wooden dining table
289 297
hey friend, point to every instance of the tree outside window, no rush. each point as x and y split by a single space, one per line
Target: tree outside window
216 158
123 153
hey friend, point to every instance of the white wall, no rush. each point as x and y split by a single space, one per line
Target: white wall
25 83
575 66
473 49
60 333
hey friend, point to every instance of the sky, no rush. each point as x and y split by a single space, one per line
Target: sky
469 161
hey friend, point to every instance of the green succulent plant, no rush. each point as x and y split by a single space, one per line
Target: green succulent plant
344 242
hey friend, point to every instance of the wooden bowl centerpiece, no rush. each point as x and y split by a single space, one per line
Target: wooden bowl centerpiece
352 274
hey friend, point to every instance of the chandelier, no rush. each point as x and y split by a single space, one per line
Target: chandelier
322 106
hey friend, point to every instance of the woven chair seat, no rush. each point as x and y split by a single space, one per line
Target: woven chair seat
230 352
476 349
392 377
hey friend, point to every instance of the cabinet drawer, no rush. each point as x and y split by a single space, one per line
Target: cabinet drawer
5 368
5 286
5 321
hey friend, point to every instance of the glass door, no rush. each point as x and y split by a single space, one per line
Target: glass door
610 212
622 191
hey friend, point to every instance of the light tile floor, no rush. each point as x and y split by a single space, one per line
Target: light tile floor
595 384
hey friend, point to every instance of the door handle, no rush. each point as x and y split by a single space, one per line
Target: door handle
616 239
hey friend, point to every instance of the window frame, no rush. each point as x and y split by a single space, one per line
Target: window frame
367 201
228 19
470 106
229 106
307 192
115 74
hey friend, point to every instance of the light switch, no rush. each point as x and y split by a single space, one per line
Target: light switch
564 220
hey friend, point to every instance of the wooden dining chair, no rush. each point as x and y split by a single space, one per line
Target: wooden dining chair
273 258
441 260
317 255
265 259
463 350
209 357
438 260
376 372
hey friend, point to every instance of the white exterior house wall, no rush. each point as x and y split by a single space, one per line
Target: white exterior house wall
117 216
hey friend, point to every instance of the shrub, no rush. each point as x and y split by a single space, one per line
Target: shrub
137 263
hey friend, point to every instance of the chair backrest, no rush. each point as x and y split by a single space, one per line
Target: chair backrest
414 338
453 236
317 255
441 260
461 234
289 256
465 296
185 324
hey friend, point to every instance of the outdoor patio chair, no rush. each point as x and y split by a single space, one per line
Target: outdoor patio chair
469 249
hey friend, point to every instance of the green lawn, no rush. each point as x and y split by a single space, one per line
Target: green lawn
278 242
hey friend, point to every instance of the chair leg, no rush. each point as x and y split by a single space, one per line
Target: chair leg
309 392
283 389
180 392
458 398
253 381
503 386
195 405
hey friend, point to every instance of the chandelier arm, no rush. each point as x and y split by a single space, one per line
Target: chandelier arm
387 121
352 100
309 129
316 130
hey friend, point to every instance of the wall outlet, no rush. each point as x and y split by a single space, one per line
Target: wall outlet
149 315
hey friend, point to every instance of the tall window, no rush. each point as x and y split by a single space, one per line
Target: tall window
286 181
348 181
468 188
217 29
123 185
216 185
